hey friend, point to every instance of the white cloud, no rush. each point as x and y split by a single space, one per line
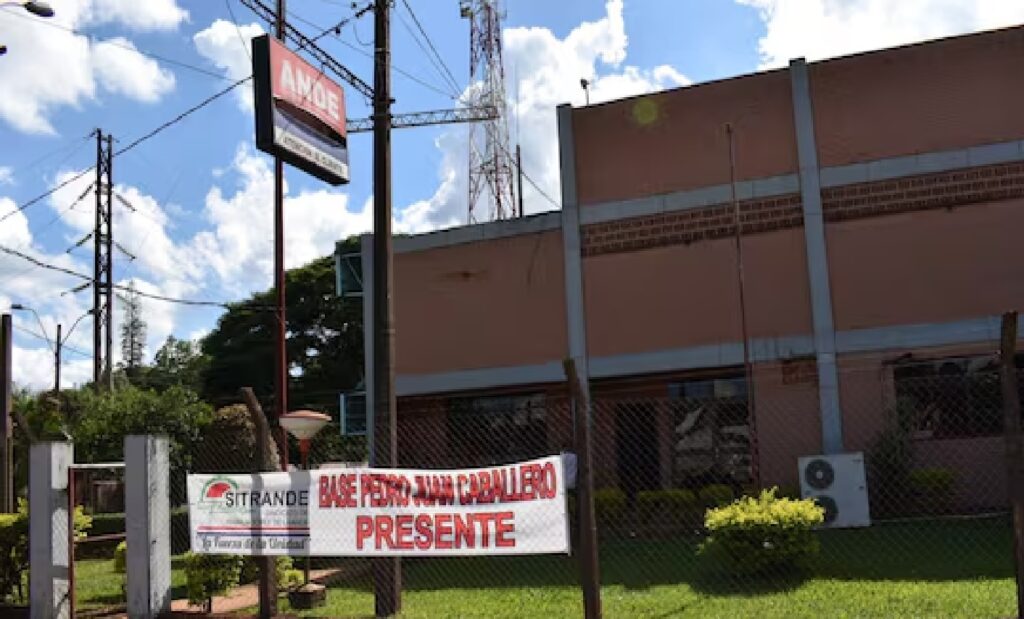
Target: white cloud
6 175
139 15
548 70
48 66
122 70
222 44
817 29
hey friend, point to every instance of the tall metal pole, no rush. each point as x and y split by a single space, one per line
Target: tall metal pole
281 350
387 571
519 177
6 445
97 316
1014 445
748 370
56 361
108 349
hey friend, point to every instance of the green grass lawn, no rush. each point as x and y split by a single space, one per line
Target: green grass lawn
924 569
98 586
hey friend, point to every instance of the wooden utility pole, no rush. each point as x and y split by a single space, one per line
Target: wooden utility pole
281 331
1014 444
387 571
6 444
263 461
590 572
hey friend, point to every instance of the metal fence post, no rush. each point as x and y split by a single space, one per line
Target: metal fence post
1014 445
590 573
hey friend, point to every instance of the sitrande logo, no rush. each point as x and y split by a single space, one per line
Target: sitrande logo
215 490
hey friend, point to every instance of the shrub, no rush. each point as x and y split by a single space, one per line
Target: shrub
121 558
666 506
715 495
932 488
13 554
229 442
609 506
210 575
757 534
284 567
888 461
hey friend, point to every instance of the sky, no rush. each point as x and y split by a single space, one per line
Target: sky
202 224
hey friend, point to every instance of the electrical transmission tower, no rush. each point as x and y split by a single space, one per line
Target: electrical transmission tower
491 181
103 265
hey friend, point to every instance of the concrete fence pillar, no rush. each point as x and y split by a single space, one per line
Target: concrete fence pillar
147 525
49 546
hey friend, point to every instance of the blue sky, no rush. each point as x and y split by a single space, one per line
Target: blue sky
202 191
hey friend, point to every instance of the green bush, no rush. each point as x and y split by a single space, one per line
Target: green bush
666 507
758 534
13 554
209 575
283 566
932 488
121 558
609 506
715 495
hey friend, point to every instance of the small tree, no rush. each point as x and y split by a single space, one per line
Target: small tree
133 332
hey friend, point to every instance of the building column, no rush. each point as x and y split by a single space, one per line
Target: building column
576 324
817 260
147 525
49 546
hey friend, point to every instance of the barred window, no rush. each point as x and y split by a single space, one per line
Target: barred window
953 397
711 431
491 430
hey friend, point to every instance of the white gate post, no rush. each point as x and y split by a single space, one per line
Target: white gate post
147 525
49 549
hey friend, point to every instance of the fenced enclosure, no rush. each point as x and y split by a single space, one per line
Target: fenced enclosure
930 478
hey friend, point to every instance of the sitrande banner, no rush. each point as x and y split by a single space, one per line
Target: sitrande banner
503 510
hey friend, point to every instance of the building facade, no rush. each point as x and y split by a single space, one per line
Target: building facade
881 208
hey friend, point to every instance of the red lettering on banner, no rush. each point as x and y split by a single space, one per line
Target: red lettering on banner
403 525
337 491
465 532
364 526
465 497
384 530
552 481
443 527
503 528
424 532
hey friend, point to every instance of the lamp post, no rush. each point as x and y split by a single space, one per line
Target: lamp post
57 344
304 425
39 9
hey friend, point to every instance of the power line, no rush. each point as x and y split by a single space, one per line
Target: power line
447 72
47 194
181 116
238 30
128 47
86 278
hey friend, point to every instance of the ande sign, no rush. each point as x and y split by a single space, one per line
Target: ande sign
300 112
512 509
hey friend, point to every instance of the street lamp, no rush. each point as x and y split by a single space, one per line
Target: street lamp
55 345
39 9
304 425
24 308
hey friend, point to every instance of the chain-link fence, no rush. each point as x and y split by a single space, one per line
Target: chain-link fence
914 518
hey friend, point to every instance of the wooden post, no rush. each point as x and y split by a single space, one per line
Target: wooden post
263 461
590 573
1014 445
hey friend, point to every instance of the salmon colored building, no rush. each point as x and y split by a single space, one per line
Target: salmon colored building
881 201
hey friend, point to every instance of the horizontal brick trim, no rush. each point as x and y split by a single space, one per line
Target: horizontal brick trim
913 193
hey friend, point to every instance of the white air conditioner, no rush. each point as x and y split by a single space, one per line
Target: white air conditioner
839 485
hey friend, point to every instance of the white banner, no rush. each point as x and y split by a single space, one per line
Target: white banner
502 510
